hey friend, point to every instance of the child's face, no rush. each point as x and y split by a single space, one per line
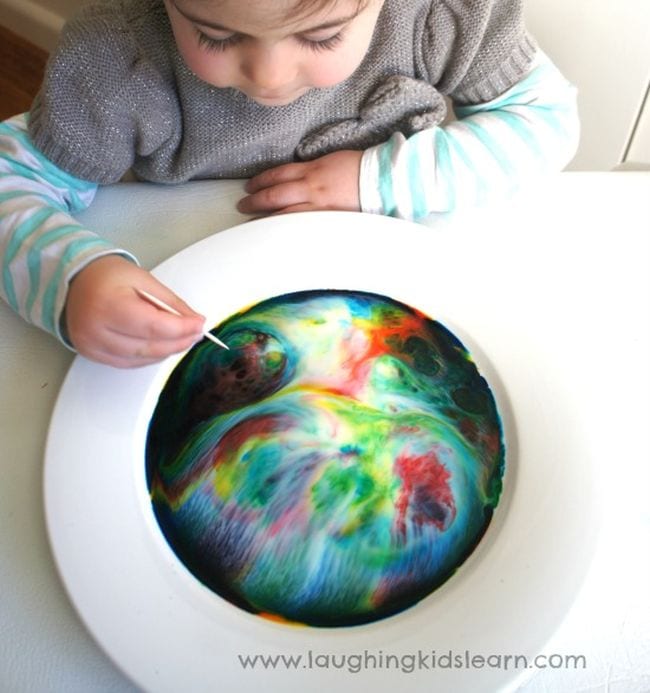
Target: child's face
265 51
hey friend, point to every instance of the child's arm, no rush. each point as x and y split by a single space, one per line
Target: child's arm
50 262
492 148
490 151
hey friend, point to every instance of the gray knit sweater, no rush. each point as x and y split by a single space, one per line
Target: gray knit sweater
117 95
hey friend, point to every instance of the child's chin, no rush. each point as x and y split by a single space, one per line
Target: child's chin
280 100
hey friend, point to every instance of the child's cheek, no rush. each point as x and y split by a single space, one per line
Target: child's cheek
213 68
216 75
333 71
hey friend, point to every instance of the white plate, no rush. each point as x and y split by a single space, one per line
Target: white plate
168 632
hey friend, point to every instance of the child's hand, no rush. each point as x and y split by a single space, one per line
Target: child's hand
331 182
108 322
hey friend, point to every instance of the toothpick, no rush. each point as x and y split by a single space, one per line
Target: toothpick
164 306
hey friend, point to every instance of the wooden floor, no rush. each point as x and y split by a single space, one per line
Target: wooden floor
21 72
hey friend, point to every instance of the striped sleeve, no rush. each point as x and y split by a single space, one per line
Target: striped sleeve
489 151
41 246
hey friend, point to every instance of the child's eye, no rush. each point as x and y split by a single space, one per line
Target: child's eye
326 44
213 44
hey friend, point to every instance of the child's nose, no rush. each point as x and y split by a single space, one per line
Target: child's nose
269 68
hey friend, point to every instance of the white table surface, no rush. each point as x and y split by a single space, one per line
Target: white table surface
591 235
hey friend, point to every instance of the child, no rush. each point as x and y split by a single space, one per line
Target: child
323 104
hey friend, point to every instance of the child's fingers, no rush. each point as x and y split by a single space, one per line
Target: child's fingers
275 198
134 332
146 322
109 322
274 176
142 351
171 299
126 351
302 207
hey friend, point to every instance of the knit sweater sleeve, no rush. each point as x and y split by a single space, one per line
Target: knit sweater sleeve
488 152
473 50
103 102
41 246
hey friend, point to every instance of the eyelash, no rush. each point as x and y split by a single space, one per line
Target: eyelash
220 45
216 45
328 44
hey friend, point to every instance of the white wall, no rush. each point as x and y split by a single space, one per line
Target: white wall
602 46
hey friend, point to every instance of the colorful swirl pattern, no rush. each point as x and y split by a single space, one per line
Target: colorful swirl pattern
334 467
